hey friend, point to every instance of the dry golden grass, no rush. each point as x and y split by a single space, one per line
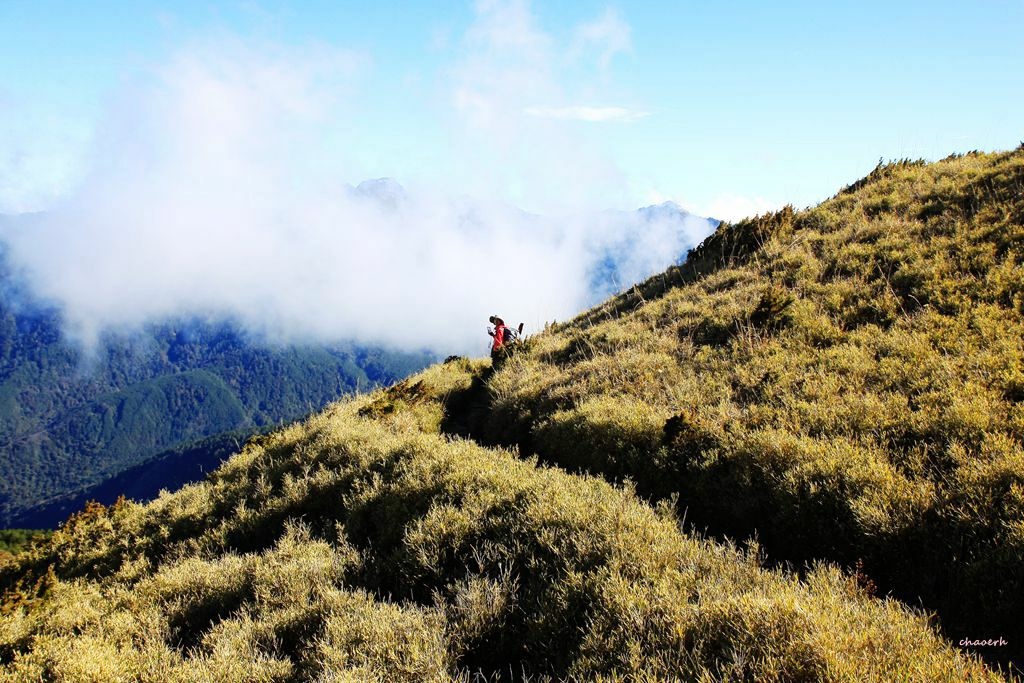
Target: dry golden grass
373 548
835 381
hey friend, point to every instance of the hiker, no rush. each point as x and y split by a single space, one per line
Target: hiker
499 336
504 337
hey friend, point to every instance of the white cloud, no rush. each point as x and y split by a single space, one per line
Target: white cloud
590 114
36 154
608 35
204 195
530 153
509 27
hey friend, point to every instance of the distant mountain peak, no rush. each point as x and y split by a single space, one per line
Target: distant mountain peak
667 205
387 191
664 210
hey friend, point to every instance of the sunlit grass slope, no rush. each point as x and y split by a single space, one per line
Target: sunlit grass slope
365 544
846 382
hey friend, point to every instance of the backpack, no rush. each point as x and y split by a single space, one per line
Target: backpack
510 335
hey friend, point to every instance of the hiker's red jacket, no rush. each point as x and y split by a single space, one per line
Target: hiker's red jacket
499 336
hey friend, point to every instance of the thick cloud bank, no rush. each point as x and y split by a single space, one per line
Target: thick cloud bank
209 192
375 263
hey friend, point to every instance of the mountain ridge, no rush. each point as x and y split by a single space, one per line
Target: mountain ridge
794 381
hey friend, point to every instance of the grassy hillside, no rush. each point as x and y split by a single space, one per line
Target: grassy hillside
365 545
845 383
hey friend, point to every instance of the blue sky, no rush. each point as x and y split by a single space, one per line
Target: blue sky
726 108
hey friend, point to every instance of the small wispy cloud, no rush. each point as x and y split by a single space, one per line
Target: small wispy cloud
608 34
518 95
588 113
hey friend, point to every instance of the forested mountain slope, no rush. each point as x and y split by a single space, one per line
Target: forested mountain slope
168 470
69 420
